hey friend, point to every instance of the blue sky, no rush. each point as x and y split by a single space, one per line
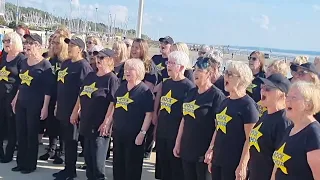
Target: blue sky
286 24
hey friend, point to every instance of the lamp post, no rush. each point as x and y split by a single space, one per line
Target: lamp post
140 19
95 25
17 13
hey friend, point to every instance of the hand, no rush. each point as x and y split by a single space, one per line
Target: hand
209 168
241 172
139 139
13 104
44 113
176 150
74 118
104 129
208 156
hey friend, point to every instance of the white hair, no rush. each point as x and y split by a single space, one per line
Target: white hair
243 70
214 53
205 48
180 58
137 65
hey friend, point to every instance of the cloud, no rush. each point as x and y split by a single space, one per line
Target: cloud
149 19
316 7
119 12
263 21
75 3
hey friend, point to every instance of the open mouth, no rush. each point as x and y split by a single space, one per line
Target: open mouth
226 83
289 108
263 97
196 78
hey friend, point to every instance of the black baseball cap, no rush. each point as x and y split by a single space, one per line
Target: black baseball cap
76 41
310 67
104 53
34 36
277 81
167 39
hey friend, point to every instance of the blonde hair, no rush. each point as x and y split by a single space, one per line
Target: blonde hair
137 65
311 94
95 40
243 70
279 66
63 31
123 49
300 60
16 41
144 48
63 54
179 46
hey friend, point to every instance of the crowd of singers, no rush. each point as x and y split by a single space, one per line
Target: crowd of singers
248 121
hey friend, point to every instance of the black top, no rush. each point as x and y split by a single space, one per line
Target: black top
171 101
96 94
70 79
119 71
56 66
264 139
290 158
232 115
317 116
220 84
36 82
131 108
255 88
198 110
9 74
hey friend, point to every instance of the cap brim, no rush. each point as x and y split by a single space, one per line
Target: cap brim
95 53
67 40
267 82
27 36
294 67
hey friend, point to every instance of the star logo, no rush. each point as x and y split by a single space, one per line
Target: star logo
255 134
222 120
261 109
4 74
62 74
25 78
189 108
164 79
279 158
160 68
251 87
124 101
88 90
167 101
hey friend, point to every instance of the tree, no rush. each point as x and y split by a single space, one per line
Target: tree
12 25
2 21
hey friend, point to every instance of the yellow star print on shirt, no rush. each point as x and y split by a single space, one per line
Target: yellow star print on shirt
255 134
124 101
167 101
4 74
164 79
189 108
88 90
25 78
160 68
222 120
251 87
261 109
279 158
62 74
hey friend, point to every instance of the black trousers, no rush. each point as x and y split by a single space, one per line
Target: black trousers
53 129
71 147
95 152
7 127
149 139
28 124
223 173
194 170
171 167
127 157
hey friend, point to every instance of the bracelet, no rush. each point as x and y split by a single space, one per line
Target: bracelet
143 132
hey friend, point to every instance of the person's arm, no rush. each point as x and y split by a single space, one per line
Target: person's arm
14 101
48 85
273 176
313 158
208 156
108 121
176 149
75 113
45 107
158 90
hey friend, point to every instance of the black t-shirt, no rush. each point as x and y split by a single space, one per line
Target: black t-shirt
290 158
9 74
36 82
231 117
131 108
70 78
317 116
95 96
56 66
198 112
255 87
220 84
171 101
119 71
264 139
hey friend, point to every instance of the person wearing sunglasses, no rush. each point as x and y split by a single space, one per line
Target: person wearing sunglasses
197 125
296 62
91 42
297 155
70 78
228 153
93 57
31 103
96 93
173 93
268 131
10 67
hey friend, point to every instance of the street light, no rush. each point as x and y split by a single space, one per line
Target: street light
140 18
17 13
95 26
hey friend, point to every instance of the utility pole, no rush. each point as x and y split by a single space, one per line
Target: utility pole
95 26
140 19
17 13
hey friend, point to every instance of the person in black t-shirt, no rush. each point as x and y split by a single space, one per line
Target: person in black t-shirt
130 114
174 92
297 155
9 82
197 125
31 103
70 78
121 55
96 93
228 153
268 131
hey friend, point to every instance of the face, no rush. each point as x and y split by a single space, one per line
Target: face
130 73
268 95
7 43
32 47
117 51
231 80
173 68
254 62
21 32
295 104
89 43
93 61
73 51
56 45
165 48
270 71
136 50
103 63
302 75
317 64
201 76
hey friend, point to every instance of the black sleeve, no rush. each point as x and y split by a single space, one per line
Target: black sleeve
49 79
250 114
278 132
86 69
217 100
113 86
313 140
148 101
189 74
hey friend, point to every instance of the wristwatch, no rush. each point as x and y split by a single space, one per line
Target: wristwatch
143 132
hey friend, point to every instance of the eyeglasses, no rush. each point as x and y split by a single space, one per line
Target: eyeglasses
89 42
267 88
171 63
6 41
230 74
100 57
252 58
203 63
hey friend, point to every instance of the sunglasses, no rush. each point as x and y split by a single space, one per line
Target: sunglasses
252 58
29 42
203 64
230 74
267 88
6 41
89 42
101 57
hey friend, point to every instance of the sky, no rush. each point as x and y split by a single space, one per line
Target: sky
285 24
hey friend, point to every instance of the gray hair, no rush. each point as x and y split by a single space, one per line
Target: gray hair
180 58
